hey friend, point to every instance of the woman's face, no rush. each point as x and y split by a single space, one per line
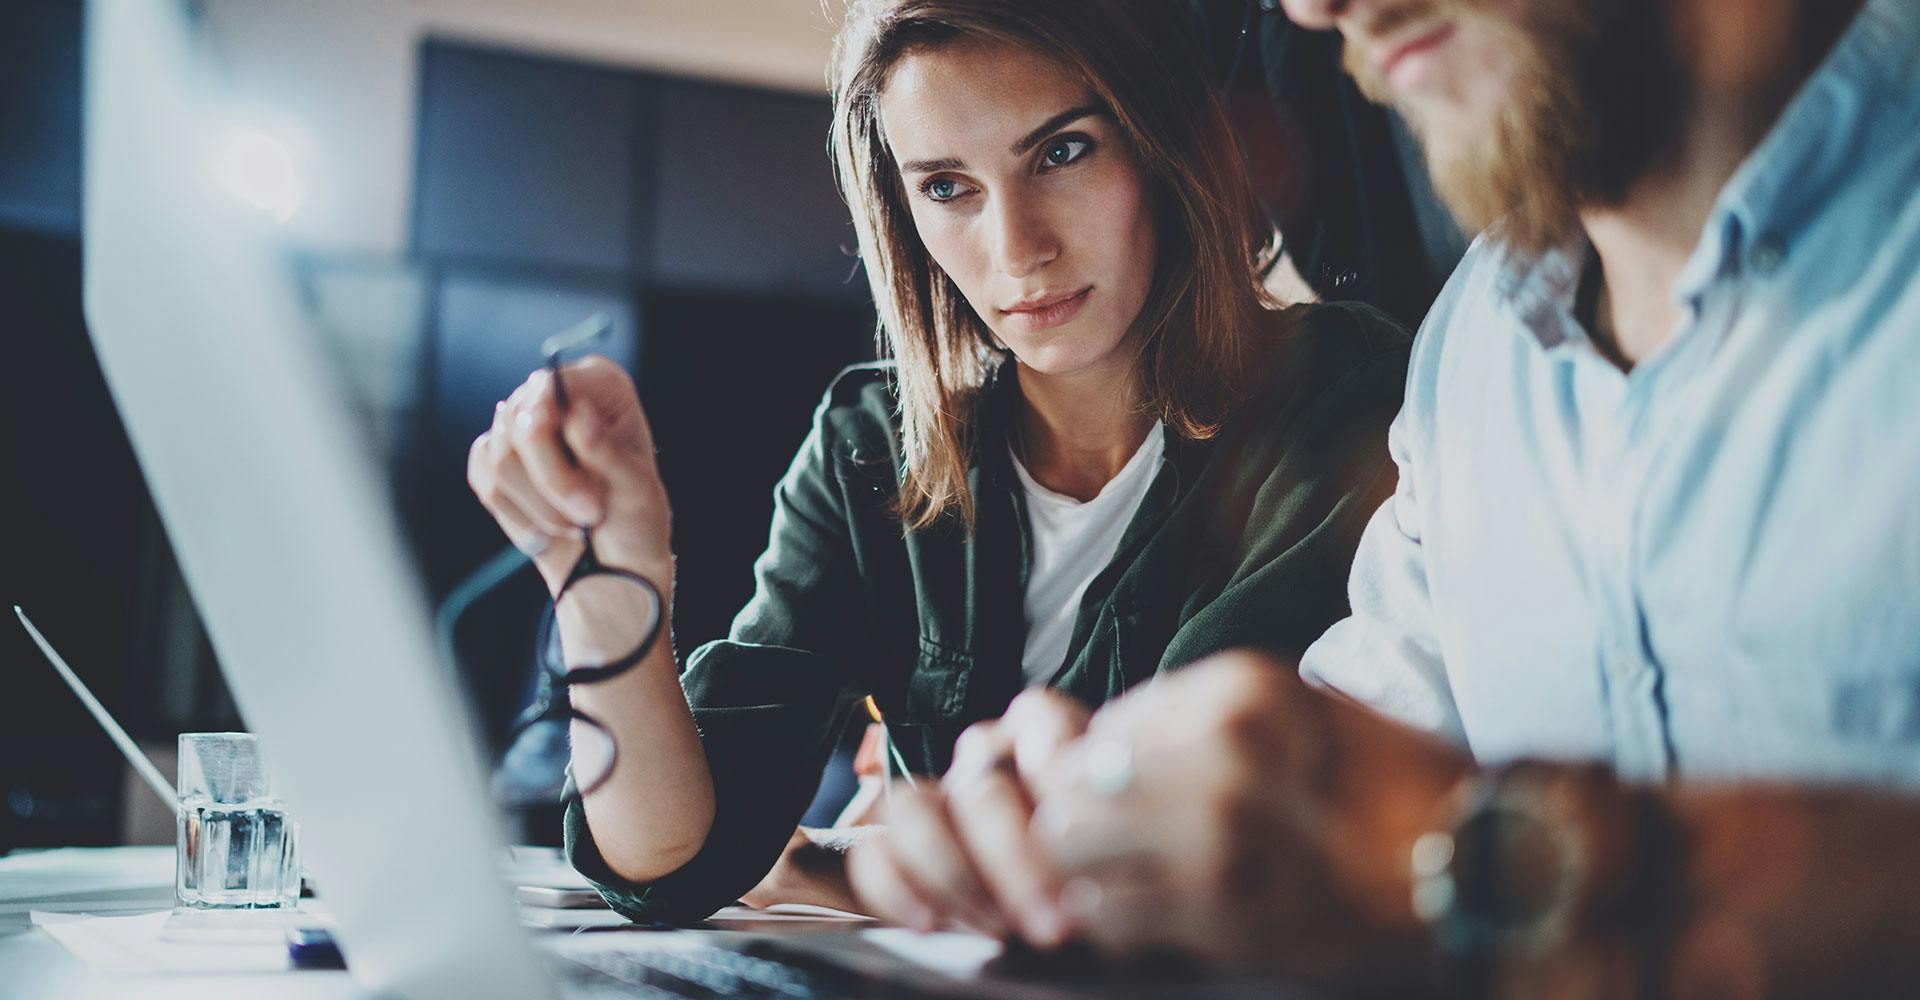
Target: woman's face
1028 196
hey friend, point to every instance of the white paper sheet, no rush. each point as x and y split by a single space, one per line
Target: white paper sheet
786 911
950 953
142 944
541 866
83 878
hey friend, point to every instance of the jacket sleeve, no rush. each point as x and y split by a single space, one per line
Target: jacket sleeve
1320 478
768 700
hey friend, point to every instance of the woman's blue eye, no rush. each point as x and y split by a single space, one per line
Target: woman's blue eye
1065 151
941 189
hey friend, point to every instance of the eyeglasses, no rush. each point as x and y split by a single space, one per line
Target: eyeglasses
610 618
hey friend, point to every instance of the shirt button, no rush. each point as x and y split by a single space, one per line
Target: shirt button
1767 256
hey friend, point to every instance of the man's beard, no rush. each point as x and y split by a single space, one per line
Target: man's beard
1593 105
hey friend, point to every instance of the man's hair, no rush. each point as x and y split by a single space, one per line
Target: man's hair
1140 61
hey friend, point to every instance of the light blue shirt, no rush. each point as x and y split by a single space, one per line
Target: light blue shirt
1709 566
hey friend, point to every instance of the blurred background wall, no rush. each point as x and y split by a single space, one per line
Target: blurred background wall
458 179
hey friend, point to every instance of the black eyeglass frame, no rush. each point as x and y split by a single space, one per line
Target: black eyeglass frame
553 703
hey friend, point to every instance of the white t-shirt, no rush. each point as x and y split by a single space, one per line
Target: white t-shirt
1072 543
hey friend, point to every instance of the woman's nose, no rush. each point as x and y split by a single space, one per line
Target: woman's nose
1024 241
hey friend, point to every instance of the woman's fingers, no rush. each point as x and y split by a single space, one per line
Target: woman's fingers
550 466
528 532
519 529
510 478
606 387
592 439
503 472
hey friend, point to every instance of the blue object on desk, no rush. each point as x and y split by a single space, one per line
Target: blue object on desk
313 948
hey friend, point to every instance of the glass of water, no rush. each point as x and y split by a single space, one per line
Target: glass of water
236 848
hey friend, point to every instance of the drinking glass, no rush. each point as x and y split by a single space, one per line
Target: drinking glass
236 847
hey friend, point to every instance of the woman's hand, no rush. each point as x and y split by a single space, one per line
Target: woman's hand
962 852
1231 813
812 869
543 475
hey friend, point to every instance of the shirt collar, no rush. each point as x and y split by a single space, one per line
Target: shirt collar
1871 80
1539 288
995 424
1867 83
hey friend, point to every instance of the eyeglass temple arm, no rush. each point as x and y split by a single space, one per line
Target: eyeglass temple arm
573 338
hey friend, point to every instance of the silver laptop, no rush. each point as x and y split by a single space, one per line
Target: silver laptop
282 527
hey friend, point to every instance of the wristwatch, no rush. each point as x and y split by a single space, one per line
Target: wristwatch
1546 880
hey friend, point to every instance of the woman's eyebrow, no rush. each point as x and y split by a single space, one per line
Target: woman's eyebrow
1054 124
1026 143
930 166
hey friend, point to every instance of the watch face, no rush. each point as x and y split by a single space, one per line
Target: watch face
1511 869
1504 878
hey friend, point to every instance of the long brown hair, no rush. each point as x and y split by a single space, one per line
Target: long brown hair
1141 60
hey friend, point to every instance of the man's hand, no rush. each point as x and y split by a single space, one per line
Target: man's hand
963 852
1231 813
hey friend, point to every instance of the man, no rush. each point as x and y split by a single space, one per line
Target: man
1655 512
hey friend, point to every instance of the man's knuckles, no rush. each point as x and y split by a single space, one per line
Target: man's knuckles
977 747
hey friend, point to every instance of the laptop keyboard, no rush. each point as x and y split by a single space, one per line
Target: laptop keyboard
755 971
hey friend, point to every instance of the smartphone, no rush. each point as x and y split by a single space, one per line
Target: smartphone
313 948
559 899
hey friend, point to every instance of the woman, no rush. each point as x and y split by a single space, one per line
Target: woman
1098 452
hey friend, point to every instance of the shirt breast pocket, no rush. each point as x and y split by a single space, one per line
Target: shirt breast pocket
926 715
866 478
1822 675
936 691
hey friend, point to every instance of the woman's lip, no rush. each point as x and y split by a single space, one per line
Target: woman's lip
1044 301
1404 61
1050 311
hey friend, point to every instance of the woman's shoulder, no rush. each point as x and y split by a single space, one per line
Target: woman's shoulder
1327 341
861 407
1341 353
1353 328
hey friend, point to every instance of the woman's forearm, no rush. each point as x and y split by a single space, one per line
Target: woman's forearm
652 814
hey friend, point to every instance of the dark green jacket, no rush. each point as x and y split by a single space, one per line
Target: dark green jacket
1244 539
